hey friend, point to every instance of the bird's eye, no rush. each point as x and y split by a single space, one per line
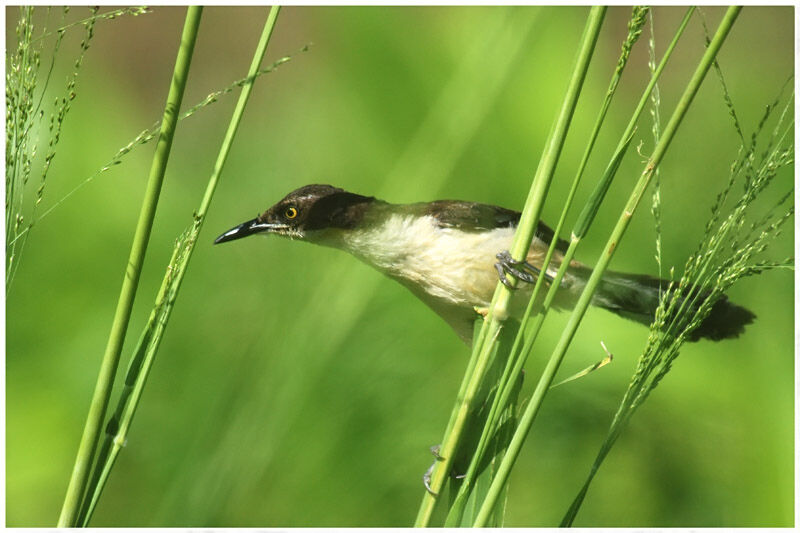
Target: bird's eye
290 212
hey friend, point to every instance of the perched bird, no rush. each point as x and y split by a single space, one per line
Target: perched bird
449 254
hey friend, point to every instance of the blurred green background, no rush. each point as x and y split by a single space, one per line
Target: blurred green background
297 387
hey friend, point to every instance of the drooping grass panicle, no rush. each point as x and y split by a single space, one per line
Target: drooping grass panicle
733 233
22 74
731 249
107 15
62 106
742 166
655 114
20 83
147 135
27 134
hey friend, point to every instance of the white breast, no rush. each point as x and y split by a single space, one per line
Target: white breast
442 263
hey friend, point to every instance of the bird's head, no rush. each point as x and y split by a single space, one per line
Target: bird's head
307 213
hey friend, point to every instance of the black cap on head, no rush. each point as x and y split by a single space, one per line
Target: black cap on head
309 208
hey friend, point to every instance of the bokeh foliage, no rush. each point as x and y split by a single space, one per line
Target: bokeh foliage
297 387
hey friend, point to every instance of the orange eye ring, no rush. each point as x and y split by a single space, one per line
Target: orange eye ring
290 213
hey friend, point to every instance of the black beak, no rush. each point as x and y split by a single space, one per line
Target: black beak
243 230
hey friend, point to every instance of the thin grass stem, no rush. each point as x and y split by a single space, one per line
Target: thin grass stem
666 338
517 359
514 363
482 352
526 420
108 368
150 341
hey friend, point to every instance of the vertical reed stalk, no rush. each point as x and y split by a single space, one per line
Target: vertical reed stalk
517 358
526 421
486 342
145 353
108 368
586 217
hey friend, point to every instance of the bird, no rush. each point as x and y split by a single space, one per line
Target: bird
450 253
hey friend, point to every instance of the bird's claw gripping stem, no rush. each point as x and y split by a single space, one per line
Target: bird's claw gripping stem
426 477
522 270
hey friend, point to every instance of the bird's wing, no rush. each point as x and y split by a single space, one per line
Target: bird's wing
472 216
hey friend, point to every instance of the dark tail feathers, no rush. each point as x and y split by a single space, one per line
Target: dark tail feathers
635 296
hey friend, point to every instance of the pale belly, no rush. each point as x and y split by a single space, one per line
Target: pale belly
451 271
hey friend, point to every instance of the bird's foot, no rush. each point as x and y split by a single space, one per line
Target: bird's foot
426 477
435 451
522 270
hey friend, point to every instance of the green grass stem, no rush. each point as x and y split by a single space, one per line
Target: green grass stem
738 245
144 355
526 420
108 368
490 331
514 364
114 435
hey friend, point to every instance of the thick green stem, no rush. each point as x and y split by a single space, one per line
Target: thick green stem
545 381
108 368
498 310
140 369
517 358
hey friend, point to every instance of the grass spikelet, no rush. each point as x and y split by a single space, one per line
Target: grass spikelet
733 247
655 101
26 135
147 135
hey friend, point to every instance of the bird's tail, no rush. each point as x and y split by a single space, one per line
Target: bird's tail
635 296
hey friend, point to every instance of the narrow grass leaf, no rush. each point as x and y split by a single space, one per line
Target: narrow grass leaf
588 370
474 476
